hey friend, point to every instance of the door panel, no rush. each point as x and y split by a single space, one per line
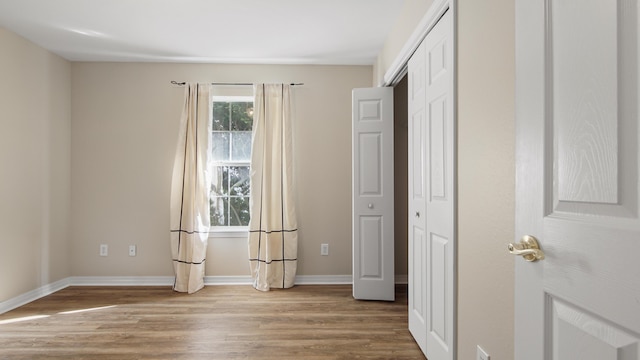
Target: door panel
373 216
417 201
581 335
370 244
418 298
584 113
437 262
594 116
370 171
437 148
577 179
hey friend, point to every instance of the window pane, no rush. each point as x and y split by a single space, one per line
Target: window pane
220 181
220 116
231 141
239 212
241 116
239 180
241 146
219 211
220 146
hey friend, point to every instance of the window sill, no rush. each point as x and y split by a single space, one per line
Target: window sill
221 234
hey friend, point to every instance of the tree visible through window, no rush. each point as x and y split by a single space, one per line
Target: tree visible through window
232 120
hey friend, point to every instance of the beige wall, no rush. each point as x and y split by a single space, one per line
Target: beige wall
35 162
410 15
124 133
486 170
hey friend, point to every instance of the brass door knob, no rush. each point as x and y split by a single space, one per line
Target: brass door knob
528 248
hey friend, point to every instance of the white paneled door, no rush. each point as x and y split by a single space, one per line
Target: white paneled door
577 180
417 272
431 193
373 215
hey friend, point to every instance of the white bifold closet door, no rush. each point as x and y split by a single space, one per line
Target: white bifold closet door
372 180
431 193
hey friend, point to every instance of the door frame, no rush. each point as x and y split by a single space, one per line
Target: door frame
395 73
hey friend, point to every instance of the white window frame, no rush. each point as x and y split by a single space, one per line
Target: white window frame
230 231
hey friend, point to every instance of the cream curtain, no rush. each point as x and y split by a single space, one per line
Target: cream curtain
273 228
190 189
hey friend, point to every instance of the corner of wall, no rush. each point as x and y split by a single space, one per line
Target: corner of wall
36 197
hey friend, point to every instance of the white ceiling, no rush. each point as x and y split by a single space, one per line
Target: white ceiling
213 31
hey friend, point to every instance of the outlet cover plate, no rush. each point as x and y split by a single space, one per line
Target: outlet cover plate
104 249
132 250
324 249
482 355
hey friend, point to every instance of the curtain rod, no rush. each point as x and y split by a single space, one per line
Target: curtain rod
237 84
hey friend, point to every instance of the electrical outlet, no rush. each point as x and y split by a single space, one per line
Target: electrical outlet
324 249
132 250
482 355
104 249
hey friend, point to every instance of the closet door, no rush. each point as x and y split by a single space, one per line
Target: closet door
440 180
431 193
417 201
373 217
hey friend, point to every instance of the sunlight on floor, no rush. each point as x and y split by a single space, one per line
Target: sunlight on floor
85 310
36 317
25 318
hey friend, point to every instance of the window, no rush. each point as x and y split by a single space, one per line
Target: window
232 121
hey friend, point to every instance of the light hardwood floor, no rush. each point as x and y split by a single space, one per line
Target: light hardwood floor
218 322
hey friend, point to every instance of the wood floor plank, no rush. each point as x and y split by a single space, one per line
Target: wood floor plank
219 322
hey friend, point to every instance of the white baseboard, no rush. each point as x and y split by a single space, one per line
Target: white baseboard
164 281
324 280
32 295
121 281
300 280
208 280
227 280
